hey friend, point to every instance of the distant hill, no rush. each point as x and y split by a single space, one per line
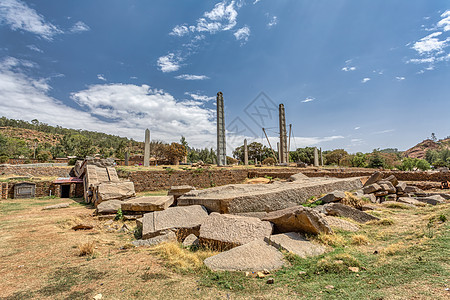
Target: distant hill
419 150
26 139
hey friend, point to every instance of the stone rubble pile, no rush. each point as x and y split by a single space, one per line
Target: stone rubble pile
250 240
380 190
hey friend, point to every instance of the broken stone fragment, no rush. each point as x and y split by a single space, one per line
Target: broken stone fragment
433 200
168 237
377 176
190 241
341 224
298 219
334 196
222 231
372 188
295 243
387 186
108 207
341 210
184 220
392 179
254 256
56 206
147 204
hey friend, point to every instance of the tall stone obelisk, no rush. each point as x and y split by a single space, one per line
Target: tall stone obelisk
147 148
316 157
221 144
245 153
283 136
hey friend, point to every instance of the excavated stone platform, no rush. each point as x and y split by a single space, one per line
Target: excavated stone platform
244 198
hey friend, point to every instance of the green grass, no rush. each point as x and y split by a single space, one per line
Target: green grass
419 264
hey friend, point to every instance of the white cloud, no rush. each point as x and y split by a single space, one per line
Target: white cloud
346 69
242 34
309 99
384 131
272 22
199 97
34 48
221 18
191 77
356 128
79 27
256 1
364 80
430 43
19 16
400 78
169 63
179 30
131 108
445 22
101 77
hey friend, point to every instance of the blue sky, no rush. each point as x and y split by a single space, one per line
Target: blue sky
355 74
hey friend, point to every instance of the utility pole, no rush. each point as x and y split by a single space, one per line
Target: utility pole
283 138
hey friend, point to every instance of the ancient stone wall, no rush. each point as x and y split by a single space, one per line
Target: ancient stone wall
203 178
35 171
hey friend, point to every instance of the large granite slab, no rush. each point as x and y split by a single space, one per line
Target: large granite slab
240 198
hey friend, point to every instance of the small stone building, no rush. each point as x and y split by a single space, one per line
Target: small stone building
24 190
70 187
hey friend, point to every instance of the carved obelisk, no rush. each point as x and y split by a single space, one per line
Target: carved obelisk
221 144
283 136
245 153
147 148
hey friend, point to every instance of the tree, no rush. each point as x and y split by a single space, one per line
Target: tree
433 137
305 155
175 152
376 160
255 151
335 156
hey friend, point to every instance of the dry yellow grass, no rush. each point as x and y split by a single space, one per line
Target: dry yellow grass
331 239
180 258
385 222
352 200
86 249
394 248
360 239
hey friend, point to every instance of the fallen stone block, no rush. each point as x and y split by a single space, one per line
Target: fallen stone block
240 198
400 187
372 188
334 196
337 223
295 243
366 207
183 220
371 197
191 241
387 186
410 189
392 179
178 191
108 207
82 227
377 176
433 200
147 204
115 191
341 210
298 219
227 231
56 206
391 197
256 214
254 256
168 237
411 201
381 193
298 177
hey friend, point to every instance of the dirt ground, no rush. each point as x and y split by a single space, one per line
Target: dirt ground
40 260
